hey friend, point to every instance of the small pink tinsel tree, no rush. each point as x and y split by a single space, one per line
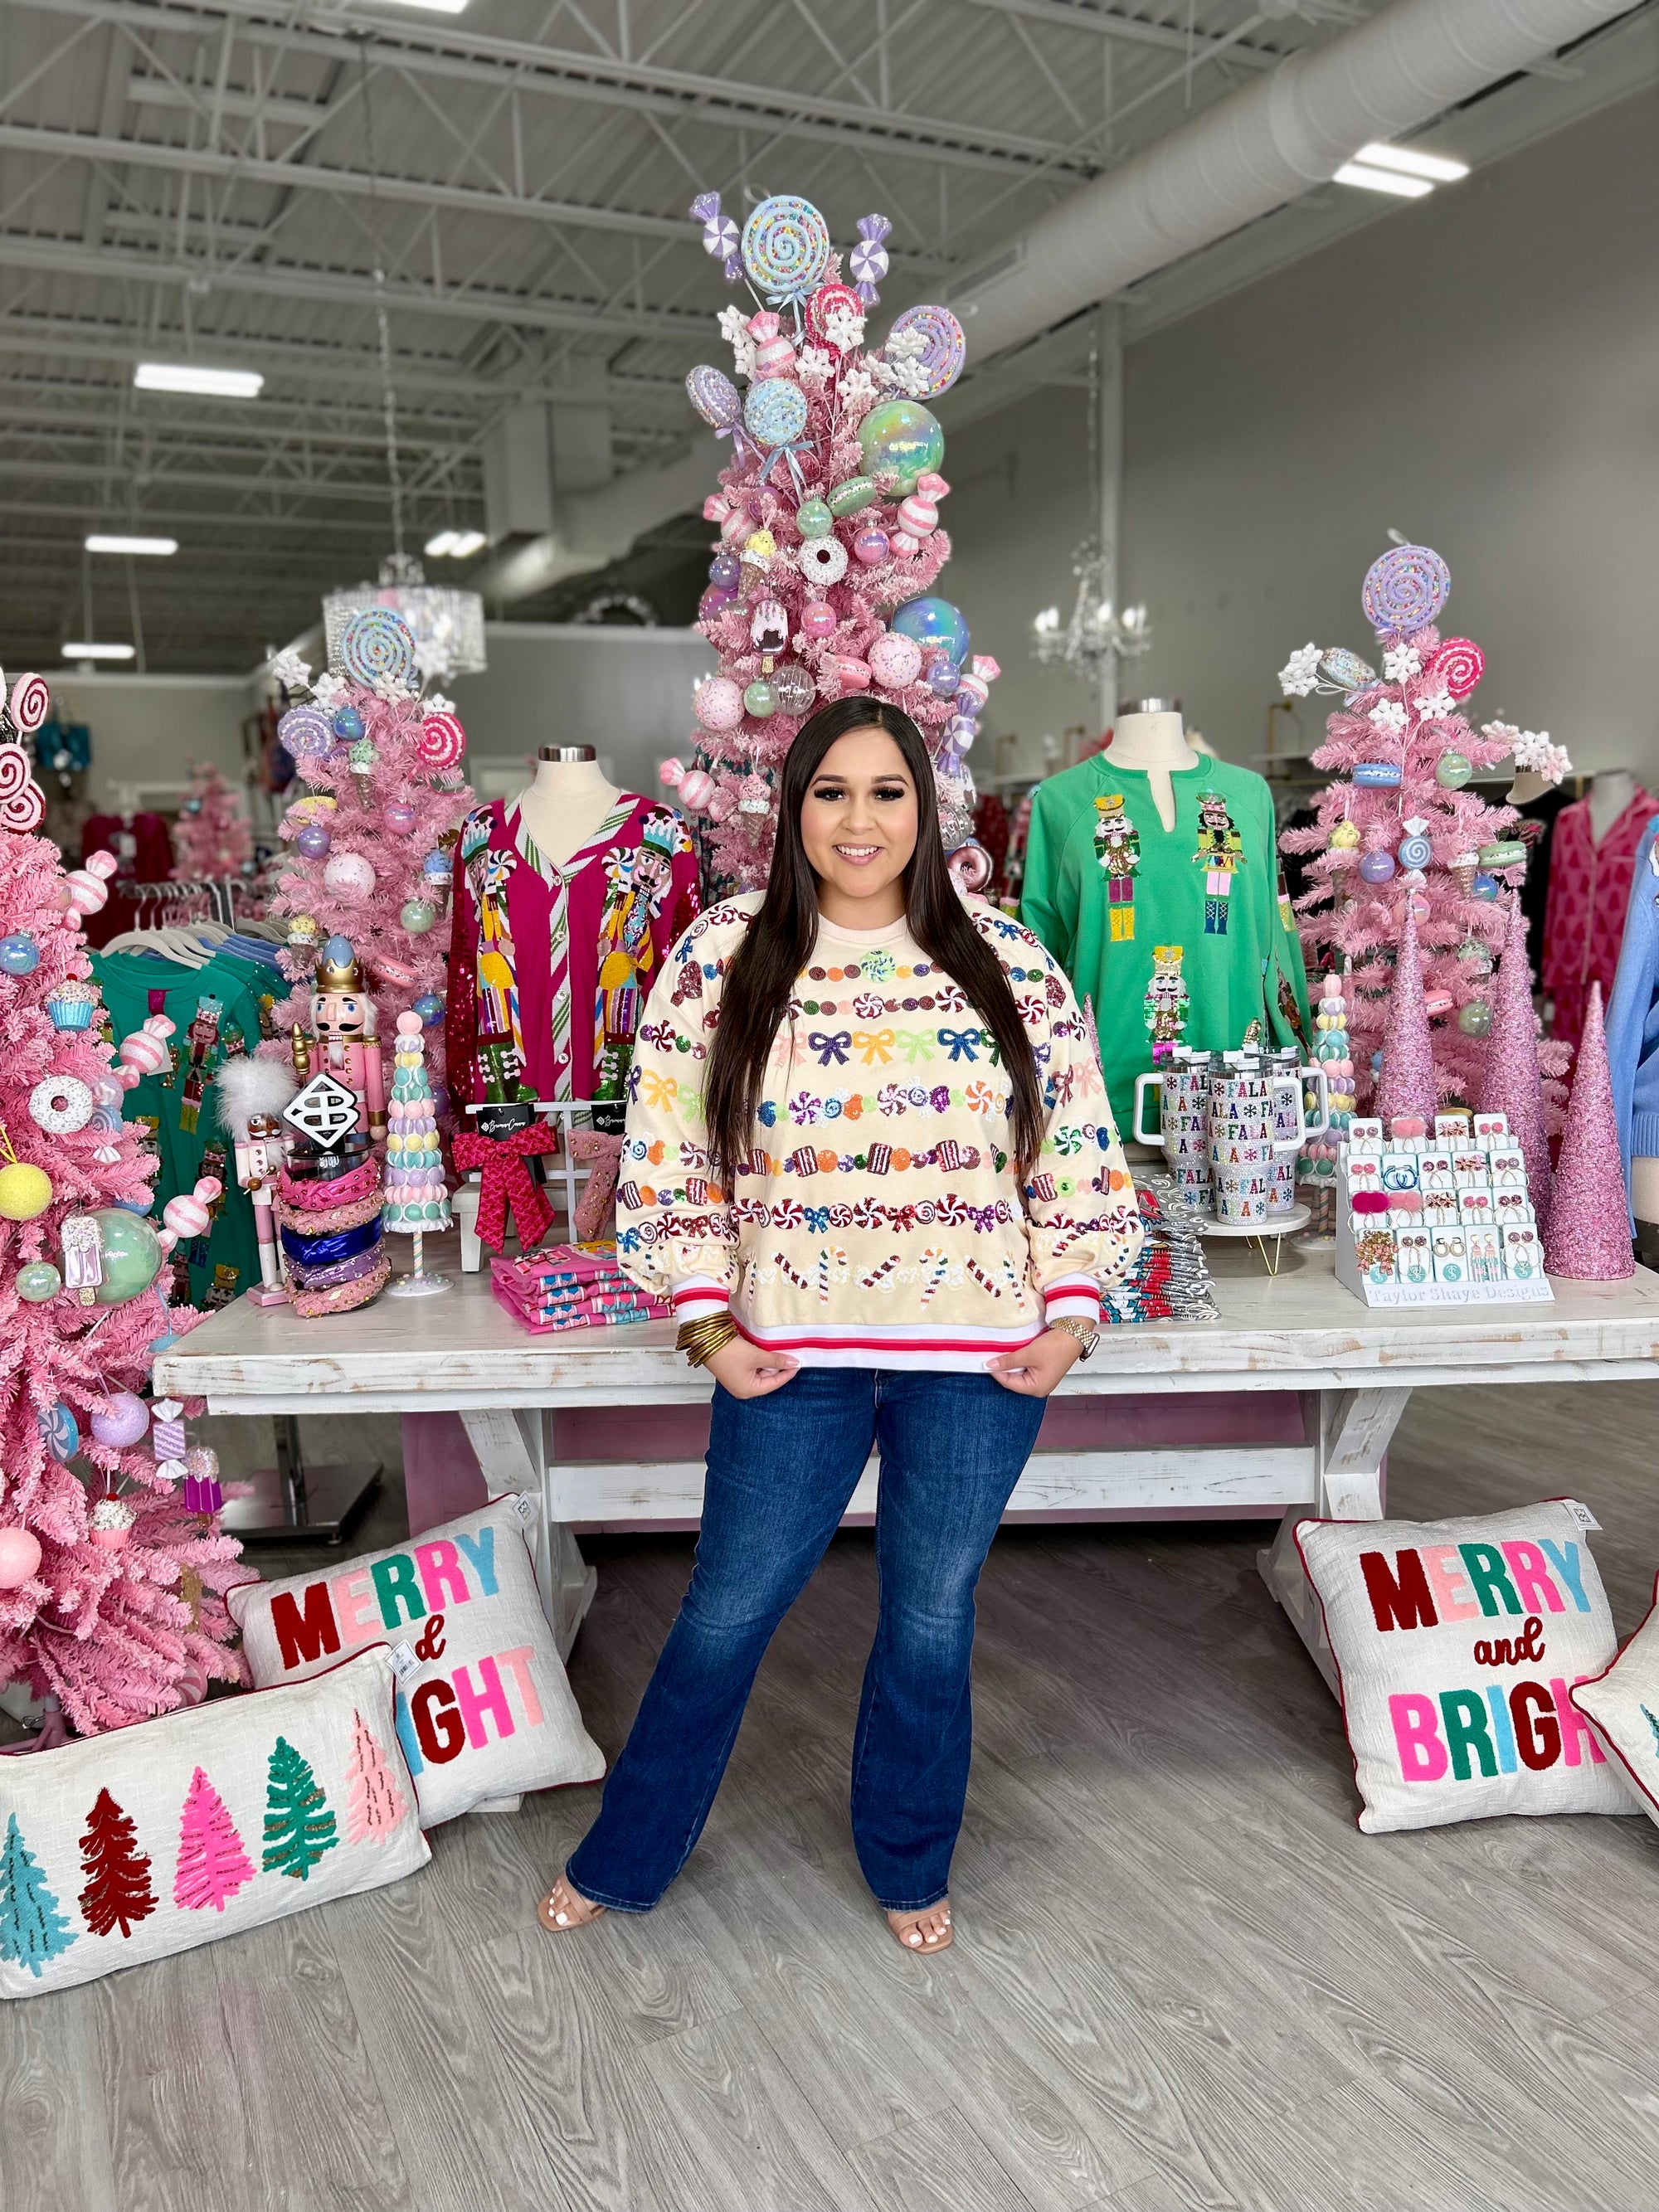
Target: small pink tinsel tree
1513 1082
212 836
118 1629
827 515
1406 1082
368 843
1589 1239
1376 842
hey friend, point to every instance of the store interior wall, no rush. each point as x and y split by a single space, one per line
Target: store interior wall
147 730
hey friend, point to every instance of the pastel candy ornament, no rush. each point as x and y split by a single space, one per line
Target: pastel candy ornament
895 661
88 887
123 1420
109 1524
775 356
145 1050
918 510
718 704
821 560
189 1212
846 672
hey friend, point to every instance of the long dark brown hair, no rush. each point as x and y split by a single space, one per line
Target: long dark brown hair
778 942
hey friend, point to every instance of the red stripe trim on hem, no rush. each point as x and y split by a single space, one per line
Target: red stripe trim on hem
804 1342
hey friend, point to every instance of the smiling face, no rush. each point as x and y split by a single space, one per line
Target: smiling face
858 826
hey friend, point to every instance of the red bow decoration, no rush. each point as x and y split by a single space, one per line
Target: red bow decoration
509 1182
594 1212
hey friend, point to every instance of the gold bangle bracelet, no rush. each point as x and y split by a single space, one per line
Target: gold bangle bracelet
701 1340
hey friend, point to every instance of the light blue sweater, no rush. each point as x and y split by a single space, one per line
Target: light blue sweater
1633 1015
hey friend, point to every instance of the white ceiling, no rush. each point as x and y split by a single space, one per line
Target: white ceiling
219 180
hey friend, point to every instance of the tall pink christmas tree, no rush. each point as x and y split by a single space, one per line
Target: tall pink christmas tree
822 585
374 1803
212 836
1406 1085
111 1594
1588 1238
1400 819
212 1863
1513 1084
370 840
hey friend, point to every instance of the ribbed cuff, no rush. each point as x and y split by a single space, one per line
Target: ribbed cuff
1644 1136
699 1296
1077 1297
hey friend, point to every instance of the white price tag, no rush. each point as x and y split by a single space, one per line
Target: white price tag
403 1661
525 1506
1581 1514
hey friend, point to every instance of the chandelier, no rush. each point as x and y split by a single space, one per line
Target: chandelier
1095 634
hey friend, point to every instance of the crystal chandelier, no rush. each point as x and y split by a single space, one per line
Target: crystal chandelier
447 624
1095 634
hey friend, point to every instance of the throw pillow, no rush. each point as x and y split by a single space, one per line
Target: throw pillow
1457 1645
484 1710
1624 1704
152 1839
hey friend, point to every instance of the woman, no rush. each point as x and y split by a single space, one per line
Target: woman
870 1159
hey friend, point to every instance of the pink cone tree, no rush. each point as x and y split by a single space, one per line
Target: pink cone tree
1589 1237
212 836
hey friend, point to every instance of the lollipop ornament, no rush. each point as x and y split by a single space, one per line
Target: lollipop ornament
786 248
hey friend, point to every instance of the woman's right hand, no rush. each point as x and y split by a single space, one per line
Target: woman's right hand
747 1371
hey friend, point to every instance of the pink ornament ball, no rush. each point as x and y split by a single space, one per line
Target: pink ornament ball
871 547
696 789
818 619
20 1557
895 661
715 602
719 703
349 876
398 816
123 1422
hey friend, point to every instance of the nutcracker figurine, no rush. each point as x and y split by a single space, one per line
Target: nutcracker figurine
249 1096
343 1021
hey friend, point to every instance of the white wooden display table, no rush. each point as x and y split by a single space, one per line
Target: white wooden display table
1353 1368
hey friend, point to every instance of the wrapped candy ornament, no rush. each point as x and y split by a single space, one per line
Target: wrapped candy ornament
88 887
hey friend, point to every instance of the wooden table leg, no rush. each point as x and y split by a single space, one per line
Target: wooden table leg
515 1450
1355 1427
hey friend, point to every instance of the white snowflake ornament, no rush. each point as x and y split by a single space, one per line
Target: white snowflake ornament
1435 706
1388 714
1402 662
290 672
1300 674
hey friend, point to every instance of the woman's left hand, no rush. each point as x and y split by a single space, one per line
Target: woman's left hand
1035 1368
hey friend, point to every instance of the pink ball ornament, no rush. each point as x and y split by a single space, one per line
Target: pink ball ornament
398 816
123 1422
895 661
818 619
697 790
719 703
871 547
349 876
20 1557
714 603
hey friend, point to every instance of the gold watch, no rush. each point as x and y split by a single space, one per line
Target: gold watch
1085 1334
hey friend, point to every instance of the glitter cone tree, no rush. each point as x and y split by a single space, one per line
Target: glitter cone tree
1589 1239
822 585
1513 1084
1399 821
368 843
111 1593
212 836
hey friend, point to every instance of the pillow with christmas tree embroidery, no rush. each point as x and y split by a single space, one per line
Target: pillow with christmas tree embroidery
1624 1705
484 1707
152 1839
1457 1645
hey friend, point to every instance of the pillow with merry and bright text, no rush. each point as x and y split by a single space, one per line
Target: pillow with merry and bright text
484 1707
1458 1644
152 1839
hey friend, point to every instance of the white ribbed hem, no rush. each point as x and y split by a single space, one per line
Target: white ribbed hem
697 1296
1078 1298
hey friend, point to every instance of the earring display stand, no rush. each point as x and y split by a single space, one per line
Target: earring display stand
294 1504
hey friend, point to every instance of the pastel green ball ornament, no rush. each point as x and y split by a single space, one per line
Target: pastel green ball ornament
37 1282
129 1253
1475 1019
1453 770
760 700
417 915
813 518
900 440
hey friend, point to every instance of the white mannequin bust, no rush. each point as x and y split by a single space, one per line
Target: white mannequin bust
1152 736
1611 792
567 802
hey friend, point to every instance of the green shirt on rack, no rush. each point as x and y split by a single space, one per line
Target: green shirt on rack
215 1013
1177 936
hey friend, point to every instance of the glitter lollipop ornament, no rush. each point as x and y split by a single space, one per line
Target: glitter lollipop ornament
786 247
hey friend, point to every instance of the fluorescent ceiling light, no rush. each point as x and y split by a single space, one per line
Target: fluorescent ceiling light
189 376
1412 161
437 548
1384 180
433 7
467 542
98 652
101 542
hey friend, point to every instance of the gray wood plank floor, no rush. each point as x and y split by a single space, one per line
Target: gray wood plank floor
1183 1977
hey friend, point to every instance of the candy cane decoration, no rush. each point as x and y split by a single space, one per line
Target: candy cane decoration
983 1279
792 1274
877 1274
830 1255
941 1263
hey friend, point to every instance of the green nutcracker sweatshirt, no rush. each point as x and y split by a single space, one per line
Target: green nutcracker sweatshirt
1177 936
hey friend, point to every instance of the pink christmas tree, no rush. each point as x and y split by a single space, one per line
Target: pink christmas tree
212 836
1513 1084
1400 821
111 1594
821 584
212 1864
369 841
375 1802
1588 1238
1406 1085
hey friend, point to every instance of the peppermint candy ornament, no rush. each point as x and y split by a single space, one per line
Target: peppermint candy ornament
146 1051
442 741
719 234
88 887
918 510
22 804
869 257
1459 663
31 702
839 302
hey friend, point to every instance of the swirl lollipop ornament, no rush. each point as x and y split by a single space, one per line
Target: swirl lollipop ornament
786 247
378 645
22 804
1405 590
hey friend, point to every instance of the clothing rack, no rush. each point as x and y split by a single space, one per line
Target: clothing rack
183 893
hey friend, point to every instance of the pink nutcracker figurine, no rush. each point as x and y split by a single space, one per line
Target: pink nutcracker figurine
250 1095
343 1021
